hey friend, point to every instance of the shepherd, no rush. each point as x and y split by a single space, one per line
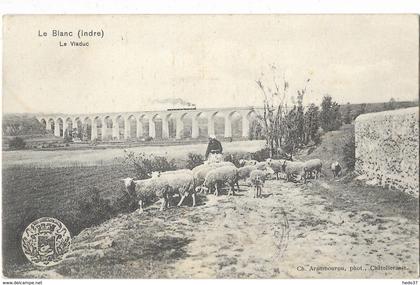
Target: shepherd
214 147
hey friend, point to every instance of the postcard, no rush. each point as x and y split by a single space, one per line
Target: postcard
210 146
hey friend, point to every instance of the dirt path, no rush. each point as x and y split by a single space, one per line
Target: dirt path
245 240
242 240
281 235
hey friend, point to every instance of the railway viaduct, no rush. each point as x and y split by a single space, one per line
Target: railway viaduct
166 124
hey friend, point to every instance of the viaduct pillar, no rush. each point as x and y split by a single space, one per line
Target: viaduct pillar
139 128
56 128
127 128
228 127
210 127
152 128
104 129
165 127
179 128
115 129
65 128
194 129
94 132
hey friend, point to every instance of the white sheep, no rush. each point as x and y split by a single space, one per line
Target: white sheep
245 171
277 165
220 176
261 165
291 168
181 182
336 169
200 172
246 162
147 189
313 166
257 178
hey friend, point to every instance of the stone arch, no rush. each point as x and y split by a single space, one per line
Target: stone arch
51 124
109 122
218 119
171 126
118 128
43 122
144 131
107 125
68 127
96 128
233 125
184 126
59 131
203 124
254 126
77 128
130 127
156 122
87 129
250 114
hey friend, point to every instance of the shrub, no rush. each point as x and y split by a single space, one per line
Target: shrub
160 163
391 105
294 130
330 116
94 142
17 143
347 114
143 165
311 124
67 138
349 152
255 130
194 160
261 155
124 204
360 111
93 209
234 157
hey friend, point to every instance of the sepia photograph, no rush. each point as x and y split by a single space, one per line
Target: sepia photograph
210 146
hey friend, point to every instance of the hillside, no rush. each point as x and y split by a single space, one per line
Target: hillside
22 125
375 107
330 149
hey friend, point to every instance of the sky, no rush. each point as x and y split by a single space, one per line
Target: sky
210 61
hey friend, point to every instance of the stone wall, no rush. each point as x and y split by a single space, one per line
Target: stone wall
387 149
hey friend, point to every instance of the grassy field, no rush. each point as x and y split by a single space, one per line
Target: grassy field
54 192
92 157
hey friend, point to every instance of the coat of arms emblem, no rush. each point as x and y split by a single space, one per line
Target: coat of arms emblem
46 241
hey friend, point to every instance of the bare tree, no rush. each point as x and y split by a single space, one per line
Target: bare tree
274 117
274 95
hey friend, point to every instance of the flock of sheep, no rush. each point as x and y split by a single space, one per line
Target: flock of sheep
211 176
